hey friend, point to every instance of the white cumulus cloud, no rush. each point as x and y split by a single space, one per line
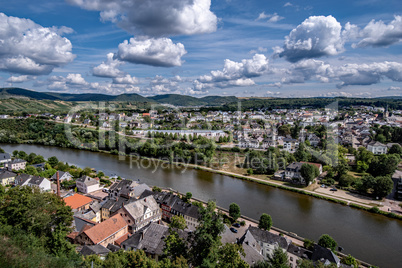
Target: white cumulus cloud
235 73
156 17
29 48
315 37
380 34
108 68
127 79
154 51
20 79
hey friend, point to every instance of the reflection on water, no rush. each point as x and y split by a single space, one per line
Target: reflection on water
370 237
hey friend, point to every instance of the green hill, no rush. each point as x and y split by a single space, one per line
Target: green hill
24 93
183 100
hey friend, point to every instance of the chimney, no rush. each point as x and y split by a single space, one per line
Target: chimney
58 183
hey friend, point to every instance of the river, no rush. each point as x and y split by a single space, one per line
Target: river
369 237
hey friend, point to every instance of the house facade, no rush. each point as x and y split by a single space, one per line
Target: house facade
87 184
16 164
7 177
377 147
140 213
103 233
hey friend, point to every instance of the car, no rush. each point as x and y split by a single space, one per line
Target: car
237 225
322 185
233 230
333 189
105 190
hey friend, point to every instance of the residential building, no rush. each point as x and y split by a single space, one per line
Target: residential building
377 147
7 177
290 145
33 181
16 164
292 171
87 184
78 202
63 176
188 211
4 158
150 239
264 242
103 233
324 255
97 250
140 213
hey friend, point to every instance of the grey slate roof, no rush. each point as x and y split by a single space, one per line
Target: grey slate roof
22 178
324 254
299 251
268 237
185 209
137 208
146 193
36 180
16 160
88 180
252 255
151 238
6 174
94 249
5 156
112 248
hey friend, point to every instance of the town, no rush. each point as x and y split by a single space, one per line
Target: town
331 153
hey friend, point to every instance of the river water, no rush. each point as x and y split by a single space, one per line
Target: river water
369 237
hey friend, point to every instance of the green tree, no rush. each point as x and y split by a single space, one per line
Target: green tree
302 154
31 170
327 241
265 222
38 159
187 197
383 186
205 240
350 260
53 161
234 211
279 258
384 165
305 263
381 138
178 222
156 189
308 244
309 173
229 256
395 149
346 180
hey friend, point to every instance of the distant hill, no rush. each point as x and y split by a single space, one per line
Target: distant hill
173 99
183 100
24 93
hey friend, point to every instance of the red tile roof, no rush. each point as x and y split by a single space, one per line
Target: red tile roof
77 200
103 230
121 239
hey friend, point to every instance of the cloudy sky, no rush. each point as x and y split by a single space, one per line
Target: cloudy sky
202 47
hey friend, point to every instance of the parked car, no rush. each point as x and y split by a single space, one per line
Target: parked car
233 230
333 189
237 225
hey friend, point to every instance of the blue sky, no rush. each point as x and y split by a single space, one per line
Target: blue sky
201 47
